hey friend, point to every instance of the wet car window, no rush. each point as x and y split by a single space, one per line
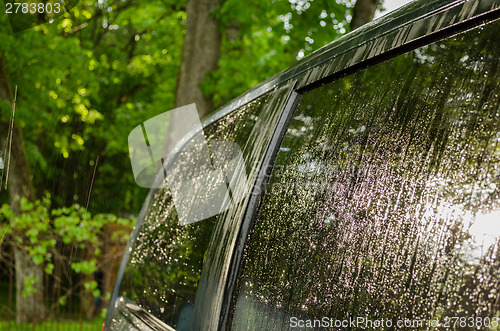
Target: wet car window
167 257
384 204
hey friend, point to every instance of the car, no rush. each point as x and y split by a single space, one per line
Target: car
361 191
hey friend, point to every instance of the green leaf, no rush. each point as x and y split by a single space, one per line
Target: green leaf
29 289
49 268
37 259
27 206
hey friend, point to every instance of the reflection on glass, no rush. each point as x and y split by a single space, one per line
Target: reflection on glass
166 260
385 199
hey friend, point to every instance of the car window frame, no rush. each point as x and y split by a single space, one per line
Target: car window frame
381 40
329 66
232 107
215 310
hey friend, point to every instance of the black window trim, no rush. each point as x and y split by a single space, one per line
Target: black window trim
331 65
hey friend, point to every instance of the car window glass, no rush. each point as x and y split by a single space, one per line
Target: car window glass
384 204
166 259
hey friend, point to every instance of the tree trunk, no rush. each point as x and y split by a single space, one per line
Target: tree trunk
28 308
200 54
363 12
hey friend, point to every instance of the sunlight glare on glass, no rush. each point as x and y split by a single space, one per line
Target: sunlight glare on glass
485 228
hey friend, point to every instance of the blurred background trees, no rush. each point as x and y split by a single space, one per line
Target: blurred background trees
85 79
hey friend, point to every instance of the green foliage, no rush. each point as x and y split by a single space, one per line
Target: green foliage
84 82
28 286
38 230
91 286
88 78
261 41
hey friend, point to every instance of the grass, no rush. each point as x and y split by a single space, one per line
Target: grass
66 322
50 325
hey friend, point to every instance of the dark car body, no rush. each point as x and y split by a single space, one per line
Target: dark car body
370 199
